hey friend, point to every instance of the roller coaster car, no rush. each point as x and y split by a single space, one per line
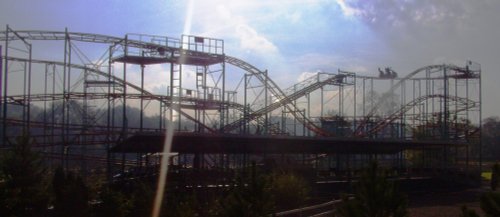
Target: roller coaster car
389 73
465 73
161 51
340 78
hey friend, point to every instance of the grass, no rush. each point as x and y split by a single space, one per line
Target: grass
486 175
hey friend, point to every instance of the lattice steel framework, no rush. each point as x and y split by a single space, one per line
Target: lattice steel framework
94 93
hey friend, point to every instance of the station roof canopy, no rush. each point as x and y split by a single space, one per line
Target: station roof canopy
270 144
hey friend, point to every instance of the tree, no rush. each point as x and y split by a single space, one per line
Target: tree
142 197
490 204
468 212
129 198
70 194
249 201
113 203
289 190
490 133
374 196
182 204
23 189
495 176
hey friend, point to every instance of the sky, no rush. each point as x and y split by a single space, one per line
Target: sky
293 38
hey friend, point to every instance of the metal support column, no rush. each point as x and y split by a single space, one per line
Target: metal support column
28 118
245 106
108 115
224 110
1 85
141 124
266 116
5 84
65 105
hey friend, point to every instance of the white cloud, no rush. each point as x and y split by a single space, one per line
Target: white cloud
305 75
252 41
317 60
330 63
294 17
157 77
223 12
161 89
237 22
347 9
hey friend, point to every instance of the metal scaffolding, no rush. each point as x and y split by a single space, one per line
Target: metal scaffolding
86 105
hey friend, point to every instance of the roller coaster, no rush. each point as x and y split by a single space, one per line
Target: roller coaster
85 98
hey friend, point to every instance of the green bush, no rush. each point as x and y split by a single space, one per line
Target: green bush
23 186
289 190
70 193
495 176
248 201
374 196
113 203
490 204
468 212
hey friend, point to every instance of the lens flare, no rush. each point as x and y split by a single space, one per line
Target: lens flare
169 134
162 178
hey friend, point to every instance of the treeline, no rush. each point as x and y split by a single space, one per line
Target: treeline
28 188
79 114
491 138
91 116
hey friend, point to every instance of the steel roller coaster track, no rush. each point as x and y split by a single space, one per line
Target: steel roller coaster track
177 48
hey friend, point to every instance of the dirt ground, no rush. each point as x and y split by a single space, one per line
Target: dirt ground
444 204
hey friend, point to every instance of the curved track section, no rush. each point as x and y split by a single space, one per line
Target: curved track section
383 123
371 113
283 99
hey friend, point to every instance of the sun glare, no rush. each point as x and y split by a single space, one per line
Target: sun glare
189 18
162 178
